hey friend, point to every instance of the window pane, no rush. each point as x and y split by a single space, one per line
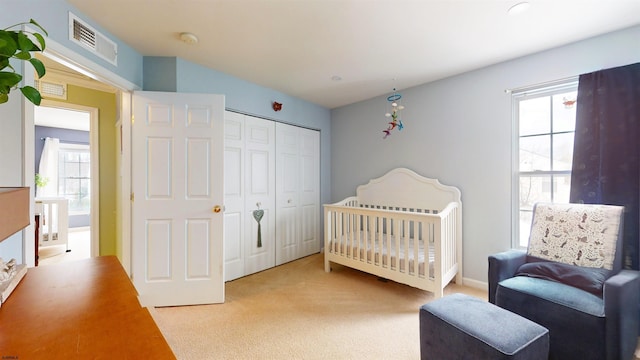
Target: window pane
85 170
525 227
545 136
561 188
564 116
535 116
563 151
534 189
71 186
71 170
535 153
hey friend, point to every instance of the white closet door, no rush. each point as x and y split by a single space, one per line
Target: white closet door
260 194
288 186
234 196
249 187
309 196
298 194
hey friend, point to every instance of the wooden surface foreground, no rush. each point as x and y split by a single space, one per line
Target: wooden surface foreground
85 309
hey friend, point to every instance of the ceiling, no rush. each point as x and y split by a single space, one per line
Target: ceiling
61 118
337 52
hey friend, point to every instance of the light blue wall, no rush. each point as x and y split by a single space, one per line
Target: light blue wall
245 97
459 131
149 73
53 15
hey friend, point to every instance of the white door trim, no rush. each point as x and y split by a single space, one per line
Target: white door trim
94 138
63 55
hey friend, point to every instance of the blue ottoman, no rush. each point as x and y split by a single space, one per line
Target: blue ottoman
459 326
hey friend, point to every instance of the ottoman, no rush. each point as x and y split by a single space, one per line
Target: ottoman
459 326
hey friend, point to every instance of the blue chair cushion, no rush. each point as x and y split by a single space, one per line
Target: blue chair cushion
585 278
565 310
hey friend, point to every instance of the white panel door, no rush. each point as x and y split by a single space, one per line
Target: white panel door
309 196
234 193
288 187
298 192
177 185
260 194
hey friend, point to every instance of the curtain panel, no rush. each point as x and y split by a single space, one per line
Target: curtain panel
606 155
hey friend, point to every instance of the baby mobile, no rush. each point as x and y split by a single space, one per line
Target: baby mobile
395 122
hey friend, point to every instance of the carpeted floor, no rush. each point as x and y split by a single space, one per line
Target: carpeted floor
79 246
298 311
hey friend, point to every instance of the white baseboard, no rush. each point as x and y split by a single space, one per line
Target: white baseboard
475 284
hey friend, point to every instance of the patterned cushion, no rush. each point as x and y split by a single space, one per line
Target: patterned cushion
577 234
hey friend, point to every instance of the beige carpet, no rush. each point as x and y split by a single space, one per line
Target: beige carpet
297 311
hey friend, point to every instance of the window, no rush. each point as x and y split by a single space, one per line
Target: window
544 120
74 177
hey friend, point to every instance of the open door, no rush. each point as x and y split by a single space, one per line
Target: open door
177 198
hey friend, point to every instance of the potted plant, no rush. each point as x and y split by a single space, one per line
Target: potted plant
19 44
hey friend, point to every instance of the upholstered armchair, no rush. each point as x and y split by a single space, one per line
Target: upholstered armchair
570 280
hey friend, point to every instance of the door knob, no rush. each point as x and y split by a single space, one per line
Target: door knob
216 209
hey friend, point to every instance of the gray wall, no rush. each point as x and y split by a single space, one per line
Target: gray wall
459 131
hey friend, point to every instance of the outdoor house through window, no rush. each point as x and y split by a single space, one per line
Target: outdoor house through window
74 177
544 126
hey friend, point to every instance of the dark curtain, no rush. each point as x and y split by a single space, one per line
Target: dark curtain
606 155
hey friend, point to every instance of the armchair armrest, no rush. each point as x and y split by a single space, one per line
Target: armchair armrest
621 296
503 266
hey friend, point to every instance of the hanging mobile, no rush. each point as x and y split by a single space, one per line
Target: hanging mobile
258 214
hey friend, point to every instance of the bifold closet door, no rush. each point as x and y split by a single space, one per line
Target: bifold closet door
297 194
249 195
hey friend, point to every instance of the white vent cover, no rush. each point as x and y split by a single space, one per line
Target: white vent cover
51 89
82 33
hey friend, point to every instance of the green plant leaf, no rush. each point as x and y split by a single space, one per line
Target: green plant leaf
39 66
9 79
32 94
24 43
40 40
31 21
23 55
8 46
20 45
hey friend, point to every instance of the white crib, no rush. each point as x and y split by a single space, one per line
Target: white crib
402 227
54 221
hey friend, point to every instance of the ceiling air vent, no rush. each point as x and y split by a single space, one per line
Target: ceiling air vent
82 33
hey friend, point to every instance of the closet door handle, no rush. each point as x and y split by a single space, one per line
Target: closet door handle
216 209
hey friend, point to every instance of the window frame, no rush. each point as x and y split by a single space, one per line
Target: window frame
73 147
518 95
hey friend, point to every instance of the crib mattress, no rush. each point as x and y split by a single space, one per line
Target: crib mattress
377 248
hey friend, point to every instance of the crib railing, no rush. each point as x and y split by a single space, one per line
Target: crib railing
353 228
54 221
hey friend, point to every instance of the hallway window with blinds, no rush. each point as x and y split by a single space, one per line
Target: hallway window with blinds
544 126
74 177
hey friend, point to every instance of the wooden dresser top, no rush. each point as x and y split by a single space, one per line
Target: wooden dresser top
85 309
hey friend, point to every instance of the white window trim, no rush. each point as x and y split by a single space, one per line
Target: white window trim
517 95
72 147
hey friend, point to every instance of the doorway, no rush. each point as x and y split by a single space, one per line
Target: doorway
90 93
67 168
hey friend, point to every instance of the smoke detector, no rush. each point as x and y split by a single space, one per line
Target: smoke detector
188 38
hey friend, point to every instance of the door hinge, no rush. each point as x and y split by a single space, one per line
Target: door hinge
133 119
132 197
